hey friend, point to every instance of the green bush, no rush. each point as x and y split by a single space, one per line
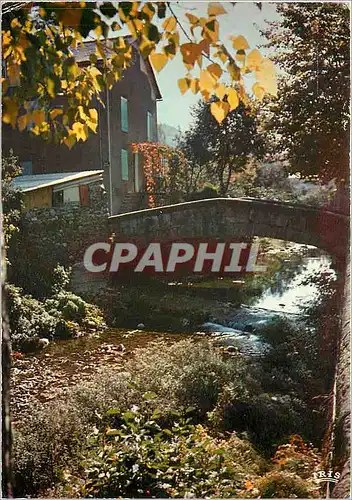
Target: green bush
49 439
140 457
56 318
297 457
74 308
282 485
29 321
188 373
12 199
296 365
268 420
61 278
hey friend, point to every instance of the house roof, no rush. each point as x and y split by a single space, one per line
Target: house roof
26 183
82 53
88 48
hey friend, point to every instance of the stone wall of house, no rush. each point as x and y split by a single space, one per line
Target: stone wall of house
52 236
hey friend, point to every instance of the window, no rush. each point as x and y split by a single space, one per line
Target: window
136 172
124 164
149 126
71 195
58 198
66 195
124 114
27 167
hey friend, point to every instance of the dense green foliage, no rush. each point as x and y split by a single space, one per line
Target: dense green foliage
215 152
62 316
11 199
29 321
142 456
309 120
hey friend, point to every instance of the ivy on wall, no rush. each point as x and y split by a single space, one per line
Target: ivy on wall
163 168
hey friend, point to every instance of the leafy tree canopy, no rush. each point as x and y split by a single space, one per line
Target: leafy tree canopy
309 120
223 148
39 40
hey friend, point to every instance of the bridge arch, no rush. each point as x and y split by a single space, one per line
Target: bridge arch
237 218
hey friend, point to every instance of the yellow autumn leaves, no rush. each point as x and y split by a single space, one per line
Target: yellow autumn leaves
158 60
232 65
54 71
80 84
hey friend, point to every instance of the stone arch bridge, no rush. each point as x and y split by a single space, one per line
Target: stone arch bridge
237 218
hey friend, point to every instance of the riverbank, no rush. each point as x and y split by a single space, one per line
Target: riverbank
41 377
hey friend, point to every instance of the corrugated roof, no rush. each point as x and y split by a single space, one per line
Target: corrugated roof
31 182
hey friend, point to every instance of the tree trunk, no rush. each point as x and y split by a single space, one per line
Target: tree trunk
6 480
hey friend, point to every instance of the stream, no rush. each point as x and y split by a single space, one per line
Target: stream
243 325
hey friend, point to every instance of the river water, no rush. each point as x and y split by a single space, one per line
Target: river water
243 326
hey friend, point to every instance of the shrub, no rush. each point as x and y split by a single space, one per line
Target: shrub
50 438
53 436
294 355
297 457
61 279
140 457
74 308
56 318
282 485
297 365
12 199
29 321
188 373
292 475
183 374
268 420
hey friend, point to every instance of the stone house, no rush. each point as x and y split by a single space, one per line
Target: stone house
129 115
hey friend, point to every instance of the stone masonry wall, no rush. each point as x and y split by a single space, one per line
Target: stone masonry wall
237 218
343 397
51 236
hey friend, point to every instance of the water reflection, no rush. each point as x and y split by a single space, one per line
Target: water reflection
293 294
284 299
